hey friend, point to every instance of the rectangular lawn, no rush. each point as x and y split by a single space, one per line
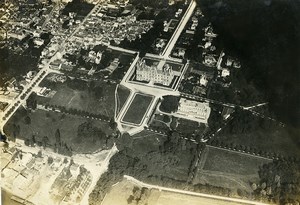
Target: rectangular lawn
137 108
232 162
228 169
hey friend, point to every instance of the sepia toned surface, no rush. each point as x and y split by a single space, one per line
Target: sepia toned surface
149 102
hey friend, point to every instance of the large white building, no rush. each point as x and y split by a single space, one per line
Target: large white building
193 110
161 72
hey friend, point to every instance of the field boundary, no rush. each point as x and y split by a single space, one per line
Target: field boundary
240 152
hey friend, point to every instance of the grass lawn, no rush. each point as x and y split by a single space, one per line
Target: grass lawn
83 98
45 123
122 95
138 108
228 169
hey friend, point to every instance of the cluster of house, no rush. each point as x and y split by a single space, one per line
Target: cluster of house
225 64
26 17
6 11
55 23
185 38
209 55
21 171
94 57
53 49
13 85
178 52
71 189
105 28
206 74
16 32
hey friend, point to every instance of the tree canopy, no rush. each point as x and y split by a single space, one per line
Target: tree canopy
169 104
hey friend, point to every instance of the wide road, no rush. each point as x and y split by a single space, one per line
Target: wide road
167 51
205 198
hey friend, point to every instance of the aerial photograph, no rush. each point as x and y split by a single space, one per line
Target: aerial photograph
150 102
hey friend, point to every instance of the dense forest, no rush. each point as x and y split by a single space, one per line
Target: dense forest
265 36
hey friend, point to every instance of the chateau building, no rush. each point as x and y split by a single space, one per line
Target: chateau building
161 73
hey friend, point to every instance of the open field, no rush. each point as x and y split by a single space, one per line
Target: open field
228 169
122 193
97 100
137 108
232 162
66 124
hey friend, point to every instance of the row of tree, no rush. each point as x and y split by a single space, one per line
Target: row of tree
75 111
248 149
